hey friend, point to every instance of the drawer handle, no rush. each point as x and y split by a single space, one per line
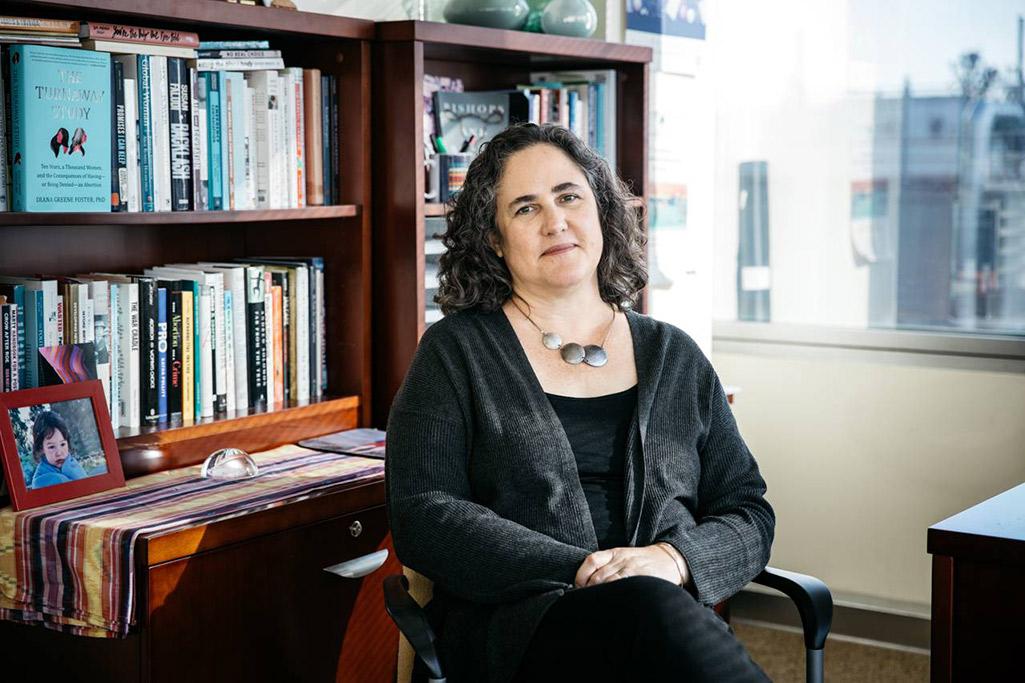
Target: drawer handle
355 529
359 567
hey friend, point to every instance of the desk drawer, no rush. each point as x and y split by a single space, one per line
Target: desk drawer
266 609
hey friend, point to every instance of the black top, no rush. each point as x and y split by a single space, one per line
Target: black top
597 428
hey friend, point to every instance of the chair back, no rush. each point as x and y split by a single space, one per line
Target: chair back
421 589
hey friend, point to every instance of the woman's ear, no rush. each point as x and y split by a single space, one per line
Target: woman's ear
495 242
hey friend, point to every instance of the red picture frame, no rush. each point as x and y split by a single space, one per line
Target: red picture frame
22 495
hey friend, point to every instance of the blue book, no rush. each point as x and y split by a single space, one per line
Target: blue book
60 128
215 172
16 295
233 105
145 134
161 354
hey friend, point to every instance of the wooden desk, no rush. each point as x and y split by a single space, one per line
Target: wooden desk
244 599
978 591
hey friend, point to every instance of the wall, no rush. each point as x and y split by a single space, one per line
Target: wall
860 458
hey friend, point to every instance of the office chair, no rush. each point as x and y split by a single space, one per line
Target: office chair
812 597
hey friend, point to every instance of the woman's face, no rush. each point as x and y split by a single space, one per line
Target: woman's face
547 215
55 448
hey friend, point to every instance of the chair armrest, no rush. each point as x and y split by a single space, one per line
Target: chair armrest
812 597
411 619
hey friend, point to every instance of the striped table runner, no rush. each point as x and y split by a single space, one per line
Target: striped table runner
71 566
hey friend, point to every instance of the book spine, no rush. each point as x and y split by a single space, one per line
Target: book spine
180 128
175 369
220 363
252 64
304 343
287 335
234 45
238 54
148 351
136 34
162 354
116 371
261 138
288 129
102 331
5 347
214 120
250 148
300 137
61 338
313 137
131 399
33 25
279 142
5 127
268 317
119 145
33 336
336 150
133 189
199 367
146 134
256 338
229 351
325 136
228 104
322 329
16 108
188 356
278 348
161 133
196 131
206 395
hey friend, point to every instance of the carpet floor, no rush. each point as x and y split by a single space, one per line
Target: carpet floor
781 655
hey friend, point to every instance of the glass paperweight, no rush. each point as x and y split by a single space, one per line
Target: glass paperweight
229 463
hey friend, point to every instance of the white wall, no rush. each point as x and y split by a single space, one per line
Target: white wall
860 458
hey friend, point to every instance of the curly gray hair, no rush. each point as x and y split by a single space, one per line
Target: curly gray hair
470 272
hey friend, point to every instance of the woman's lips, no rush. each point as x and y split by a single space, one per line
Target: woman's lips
559 249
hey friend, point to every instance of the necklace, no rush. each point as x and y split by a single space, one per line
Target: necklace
573 353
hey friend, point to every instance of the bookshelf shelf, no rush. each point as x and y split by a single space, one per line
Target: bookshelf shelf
179 217
151 448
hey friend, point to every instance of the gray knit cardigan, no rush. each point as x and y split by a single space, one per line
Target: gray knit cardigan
484 497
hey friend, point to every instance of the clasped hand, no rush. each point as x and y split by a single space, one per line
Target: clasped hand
619 563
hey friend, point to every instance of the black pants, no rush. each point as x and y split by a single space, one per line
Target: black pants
636 629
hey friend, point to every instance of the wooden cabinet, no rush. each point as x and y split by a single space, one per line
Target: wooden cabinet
485 59
245 599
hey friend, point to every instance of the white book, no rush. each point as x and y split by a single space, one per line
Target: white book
86 331
201 144
160 114
279 143
289 127
235 283
102 327
133 187
250 147
120 46
296 74
263 84
114 395
195 114
127 330
321 333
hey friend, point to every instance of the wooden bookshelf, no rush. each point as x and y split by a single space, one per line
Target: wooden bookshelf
485 59
177 217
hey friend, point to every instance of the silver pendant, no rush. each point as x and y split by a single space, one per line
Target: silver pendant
595 356
551 341
572 353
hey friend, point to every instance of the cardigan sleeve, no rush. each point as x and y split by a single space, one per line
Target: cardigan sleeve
729 544
437 528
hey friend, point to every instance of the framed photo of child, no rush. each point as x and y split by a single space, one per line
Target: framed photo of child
57 444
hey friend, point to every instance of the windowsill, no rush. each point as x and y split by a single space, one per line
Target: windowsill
931 349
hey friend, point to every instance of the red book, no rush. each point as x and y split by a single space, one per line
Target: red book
138 34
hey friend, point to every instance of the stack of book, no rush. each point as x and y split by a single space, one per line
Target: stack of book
58 32
148 119
180 342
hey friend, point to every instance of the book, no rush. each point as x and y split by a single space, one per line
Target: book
36 25
162 355
130 84
135 34
146 172
175 368
61 104
154 49
239 64
149 386
295 142
237 54
188 357
256 336
314 137
469 119
161 130
235 105
215 188
5 125
199 158
368 443
234 45
325 136
180 129
278 350
265 111
336 182
119 144
114 397
16 294
9 344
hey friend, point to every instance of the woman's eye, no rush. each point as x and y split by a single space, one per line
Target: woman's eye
523 210
570 197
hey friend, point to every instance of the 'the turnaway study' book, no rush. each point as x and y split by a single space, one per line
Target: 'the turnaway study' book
60 128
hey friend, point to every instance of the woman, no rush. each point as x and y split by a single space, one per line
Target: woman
52 452
567 471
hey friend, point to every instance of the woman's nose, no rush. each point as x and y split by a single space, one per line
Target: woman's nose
555 221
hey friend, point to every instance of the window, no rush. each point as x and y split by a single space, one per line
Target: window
869 164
